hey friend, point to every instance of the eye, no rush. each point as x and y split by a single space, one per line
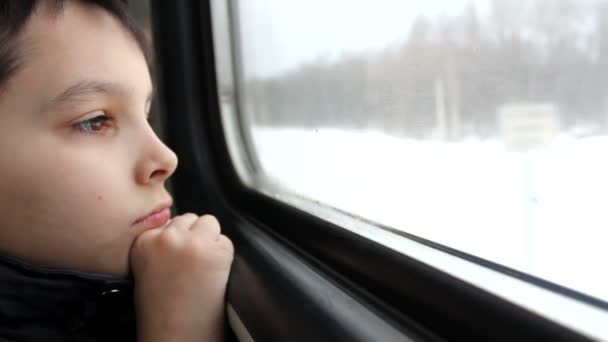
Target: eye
94 125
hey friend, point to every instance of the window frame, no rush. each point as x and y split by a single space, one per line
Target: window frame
207 182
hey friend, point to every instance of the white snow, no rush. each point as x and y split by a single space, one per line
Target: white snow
541 212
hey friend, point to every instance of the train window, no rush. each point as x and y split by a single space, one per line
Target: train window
140 11
479 125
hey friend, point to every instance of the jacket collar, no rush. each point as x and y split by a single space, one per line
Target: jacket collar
62 301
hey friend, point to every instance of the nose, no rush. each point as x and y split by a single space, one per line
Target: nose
156 163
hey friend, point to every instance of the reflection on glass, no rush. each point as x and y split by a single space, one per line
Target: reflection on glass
481 125
140 11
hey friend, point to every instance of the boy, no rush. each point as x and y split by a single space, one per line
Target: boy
82 198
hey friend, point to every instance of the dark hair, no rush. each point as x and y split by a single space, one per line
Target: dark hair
14 15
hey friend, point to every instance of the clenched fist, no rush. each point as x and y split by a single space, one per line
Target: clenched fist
181 271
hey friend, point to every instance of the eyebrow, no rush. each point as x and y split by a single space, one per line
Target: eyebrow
84 90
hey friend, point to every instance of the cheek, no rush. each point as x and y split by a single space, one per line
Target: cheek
64 188
87 189
66 210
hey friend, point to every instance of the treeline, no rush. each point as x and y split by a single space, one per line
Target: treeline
451 74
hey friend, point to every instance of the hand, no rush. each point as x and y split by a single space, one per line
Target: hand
181 271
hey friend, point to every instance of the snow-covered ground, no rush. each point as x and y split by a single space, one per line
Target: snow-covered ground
544 212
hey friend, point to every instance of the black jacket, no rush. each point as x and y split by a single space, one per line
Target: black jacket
44 304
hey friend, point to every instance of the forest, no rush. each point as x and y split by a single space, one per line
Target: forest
451 74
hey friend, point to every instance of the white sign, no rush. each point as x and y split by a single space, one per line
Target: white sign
527 126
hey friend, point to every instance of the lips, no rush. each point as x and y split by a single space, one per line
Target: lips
157 217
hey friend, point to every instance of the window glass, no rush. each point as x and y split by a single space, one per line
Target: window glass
481 125
140 11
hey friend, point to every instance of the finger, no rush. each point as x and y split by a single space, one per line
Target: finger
225 243
182 222
207 225
146 235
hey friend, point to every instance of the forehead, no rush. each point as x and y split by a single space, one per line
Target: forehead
82 42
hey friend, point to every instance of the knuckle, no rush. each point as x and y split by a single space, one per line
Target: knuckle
226 243
209 221
144 239
184 220
169 239
190 216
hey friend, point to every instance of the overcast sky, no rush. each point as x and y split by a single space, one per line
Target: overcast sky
277 35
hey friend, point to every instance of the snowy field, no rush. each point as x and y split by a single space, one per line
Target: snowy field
544 212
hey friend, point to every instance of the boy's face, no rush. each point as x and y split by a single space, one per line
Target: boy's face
71 189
